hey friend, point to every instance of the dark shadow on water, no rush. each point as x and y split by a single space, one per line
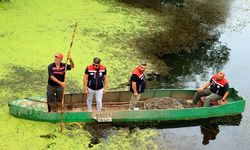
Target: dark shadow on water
101 131
227 120
184 28
187 67
188 42
209 133
48 136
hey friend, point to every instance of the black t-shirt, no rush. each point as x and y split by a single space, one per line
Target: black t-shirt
58 73
134 78
140 83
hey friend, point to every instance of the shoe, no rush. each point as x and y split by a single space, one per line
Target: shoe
133 109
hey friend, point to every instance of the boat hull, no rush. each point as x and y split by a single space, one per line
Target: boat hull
38 110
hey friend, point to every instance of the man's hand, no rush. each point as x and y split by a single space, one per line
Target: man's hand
200 89
69 56
104 91
135 94
62 84
203 87
86 91
222 101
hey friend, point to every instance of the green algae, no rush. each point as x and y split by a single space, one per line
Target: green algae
125 139
33 31
24 134
44 28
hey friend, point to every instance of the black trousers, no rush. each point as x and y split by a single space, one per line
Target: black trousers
54 95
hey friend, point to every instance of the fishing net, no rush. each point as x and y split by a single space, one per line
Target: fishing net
167 103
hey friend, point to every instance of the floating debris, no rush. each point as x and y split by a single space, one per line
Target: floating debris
48 136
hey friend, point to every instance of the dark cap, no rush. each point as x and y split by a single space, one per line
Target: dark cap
96 60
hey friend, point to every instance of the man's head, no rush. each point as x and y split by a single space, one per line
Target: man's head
220 75
58 57
143 66
96 62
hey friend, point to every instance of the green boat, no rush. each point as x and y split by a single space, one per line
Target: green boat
116 104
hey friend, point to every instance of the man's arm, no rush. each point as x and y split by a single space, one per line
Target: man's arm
72 65
57 81
105 84
225 96
203 87
226 88
134 88
85 79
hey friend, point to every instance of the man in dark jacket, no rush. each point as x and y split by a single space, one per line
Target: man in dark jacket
137 84
95 83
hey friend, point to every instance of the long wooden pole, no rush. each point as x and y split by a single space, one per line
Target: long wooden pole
70 47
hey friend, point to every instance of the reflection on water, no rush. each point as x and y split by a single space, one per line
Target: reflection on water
190 67
188 42
209 133
209 127
185 24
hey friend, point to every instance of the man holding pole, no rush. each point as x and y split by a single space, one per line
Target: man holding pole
95 83
56 84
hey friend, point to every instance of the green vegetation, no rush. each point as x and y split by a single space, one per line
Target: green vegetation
33 31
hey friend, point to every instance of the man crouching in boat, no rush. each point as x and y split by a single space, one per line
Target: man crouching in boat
56 82
137 84
218 90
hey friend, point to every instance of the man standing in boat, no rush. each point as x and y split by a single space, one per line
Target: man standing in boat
137 84
56 82
95 83
218 90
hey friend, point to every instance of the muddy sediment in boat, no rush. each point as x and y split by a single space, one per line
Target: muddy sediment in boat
167 103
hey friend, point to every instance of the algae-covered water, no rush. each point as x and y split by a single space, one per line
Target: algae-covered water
32 31
174 37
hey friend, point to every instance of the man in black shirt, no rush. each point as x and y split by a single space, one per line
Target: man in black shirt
56 84
137 84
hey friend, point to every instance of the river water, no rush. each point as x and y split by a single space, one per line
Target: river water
235 35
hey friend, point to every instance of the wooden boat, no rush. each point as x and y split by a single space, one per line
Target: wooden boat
116 104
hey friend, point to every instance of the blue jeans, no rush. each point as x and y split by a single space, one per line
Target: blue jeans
98 96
